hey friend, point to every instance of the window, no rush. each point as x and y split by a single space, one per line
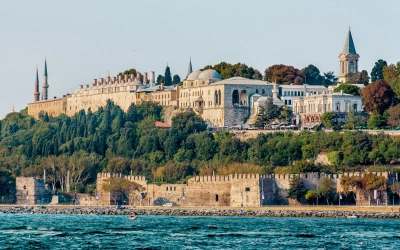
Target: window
256 91
284 93
166 189
174 188
235 97
285 102
355 107
263 92
216 197
290 102
247 189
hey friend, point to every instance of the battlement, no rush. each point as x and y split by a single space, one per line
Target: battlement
222 178
129 177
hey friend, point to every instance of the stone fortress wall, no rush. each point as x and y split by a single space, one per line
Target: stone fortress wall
30 190
235 190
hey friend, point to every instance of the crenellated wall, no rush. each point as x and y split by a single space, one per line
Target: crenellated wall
235 190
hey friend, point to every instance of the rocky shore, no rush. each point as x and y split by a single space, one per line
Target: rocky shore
194 212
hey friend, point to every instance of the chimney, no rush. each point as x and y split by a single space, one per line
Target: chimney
101 81
119 78
94 82
138 77
126 78
108 80
145 77
80 86
152 77
162 86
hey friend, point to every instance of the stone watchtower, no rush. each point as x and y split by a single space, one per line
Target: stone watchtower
348 59
45 84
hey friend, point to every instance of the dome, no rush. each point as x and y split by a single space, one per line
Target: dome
209 74
77 91
193 75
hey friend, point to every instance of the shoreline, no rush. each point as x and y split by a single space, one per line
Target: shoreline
316 212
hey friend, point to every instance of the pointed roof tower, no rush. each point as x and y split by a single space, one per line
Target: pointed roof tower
349 47
45 67
190 70
37 76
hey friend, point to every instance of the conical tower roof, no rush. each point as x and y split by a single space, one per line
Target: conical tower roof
189 68
45 67
37 76
349 47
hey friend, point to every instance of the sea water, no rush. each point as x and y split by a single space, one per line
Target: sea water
32 231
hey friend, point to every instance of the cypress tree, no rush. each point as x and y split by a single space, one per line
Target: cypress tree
167 77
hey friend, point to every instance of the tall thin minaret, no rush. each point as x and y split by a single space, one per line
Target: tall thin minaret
189 68
36 94
45 84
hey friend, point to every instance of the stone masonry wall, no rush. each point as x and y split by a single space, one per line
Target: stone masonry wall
31 190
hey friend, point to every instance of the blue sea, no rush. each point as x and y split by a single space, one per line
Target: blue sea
31 231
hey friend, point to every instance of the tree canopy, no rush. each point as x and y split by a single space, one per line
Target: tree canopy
348 89
176 79
377 70
227 70
377 97
358 78
268 112
284 74
167 77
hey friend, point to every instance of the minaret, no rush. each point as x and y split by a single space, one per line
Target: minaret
348 58
45 84
36 94
189 68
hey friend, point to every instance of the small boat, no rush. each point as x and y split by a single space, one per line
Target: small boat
352 217
133 217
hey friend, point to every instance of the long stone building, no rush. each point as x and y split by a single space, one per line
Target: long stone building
220 102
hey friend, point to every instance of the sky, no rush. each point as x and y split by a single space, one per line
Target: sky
83 40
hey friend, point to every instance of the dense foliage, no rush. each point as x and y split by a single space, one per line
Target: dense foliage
227 70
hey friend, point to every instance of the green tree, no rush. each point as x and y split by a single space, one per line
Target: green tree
391 75
377 97
335 157
329 78
128 72
376 121
296 188
329 119
176 79
325 188
348 89
188 123
286 114
167 77
349 185
119 188
377 70
268 112
312 75
160 79
227 70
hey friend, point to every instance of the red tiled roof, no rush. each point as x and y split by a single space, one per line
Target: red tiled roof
162 125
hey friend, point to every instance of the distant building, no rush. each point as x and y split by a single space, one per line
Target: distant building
310 107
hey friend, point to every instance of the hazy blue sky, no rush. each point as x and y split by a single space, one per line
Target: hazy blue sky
82 39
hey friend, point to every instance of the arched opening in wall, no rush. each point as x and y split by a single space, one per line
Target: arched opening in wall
263 91
235 97
256 91
355 107
216 98
216 197
243 98
342 67
337 106
219 97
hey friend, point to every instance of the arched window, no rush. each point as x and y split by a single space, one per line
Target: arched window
256 91
219 97
352 67
337 106
216 98
235 97
342 67
263 91
216 197
355 107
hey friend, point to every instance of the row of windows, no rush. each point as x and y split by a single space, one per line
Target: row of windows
294 93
